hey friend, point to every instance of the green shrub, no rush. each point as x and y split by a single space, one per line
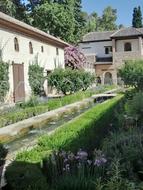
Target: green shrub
4 79
70 81
73 135
25 176
134 107
36 78
115 180
32 102
132 74
127 146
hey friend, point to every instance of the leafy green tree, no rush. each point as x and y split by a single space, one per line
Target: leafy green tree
7 7
92 22
132 74
108 19
14 8
79 20
55 19
69 81
137 17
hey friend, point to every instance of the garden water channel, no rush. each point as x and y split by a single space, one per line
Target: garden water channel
23 135
28 139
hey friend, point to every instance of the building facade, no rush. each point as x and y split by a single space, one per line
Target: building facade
107 51
22 45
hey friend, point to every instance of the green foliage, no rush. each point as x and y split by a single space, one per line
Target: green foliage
33 108
32 102
137 17
14 8
59 20
67 165
71 136
70 81
134 107
132 74
3 154
25 176
36 78
4 79
104 23
127 146
108 19
116 180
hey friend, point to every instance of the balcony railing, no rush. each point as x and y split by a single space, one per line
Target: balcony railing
104 59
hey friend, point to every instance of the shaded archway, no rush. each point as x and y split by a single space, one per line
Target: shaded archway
108 78
98 80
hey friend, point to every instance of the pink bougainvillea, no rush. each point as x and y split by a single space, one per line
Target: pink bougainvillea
74 58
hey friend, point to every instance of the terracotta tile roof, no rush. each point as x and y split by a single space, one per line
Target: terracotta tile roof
8 19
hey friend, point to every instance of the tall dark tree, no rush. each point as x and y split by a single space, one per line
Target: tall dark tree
137 17
14 8
80 21
7 7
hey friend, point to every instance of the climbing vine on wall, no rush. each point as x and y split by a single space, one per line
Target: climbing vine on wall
4 79
36 79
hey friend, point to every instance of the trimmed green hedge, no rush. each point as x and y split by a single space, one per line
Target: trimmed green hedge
21 114
80 132
86 131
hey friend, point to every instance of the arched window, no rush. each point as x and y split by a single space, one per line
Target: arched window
42 49
16 44
30 48
127 46
108 78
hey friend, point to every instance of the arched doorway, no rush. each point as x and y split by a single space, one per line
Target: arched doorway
98 80
108 78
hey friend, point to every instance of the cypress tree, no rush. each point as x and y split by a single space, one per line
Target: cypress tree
137 17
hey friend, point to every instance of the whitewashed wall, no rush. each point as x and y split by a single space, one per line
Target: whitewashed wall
48 59
95 48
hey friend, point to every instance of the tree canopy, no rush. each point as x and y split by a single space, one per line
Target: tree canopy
132 74
61 18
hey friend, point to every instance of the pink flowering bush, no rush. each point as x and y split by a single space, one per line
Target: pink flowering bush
74 58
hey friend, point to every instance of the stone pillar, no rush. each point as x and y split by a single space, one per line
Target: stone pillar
113 49
140 45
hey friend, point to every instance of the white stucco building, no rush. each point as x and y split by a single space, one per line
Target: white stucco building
21 45
107 51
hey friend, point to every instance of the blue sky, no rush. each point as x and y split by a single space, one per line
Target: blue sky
124 8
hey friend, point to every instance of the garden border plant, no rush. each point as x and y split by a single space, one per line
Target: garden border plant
4 79
71 136
27 111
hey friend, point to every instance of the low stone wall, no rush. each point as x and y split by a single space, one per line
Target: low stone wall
19 129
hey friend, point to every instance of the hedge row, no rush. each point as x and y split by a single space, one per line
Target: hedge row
86 131
21 114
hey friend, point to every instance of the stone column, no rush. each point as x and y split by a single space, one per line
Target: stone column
140 45
113 49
